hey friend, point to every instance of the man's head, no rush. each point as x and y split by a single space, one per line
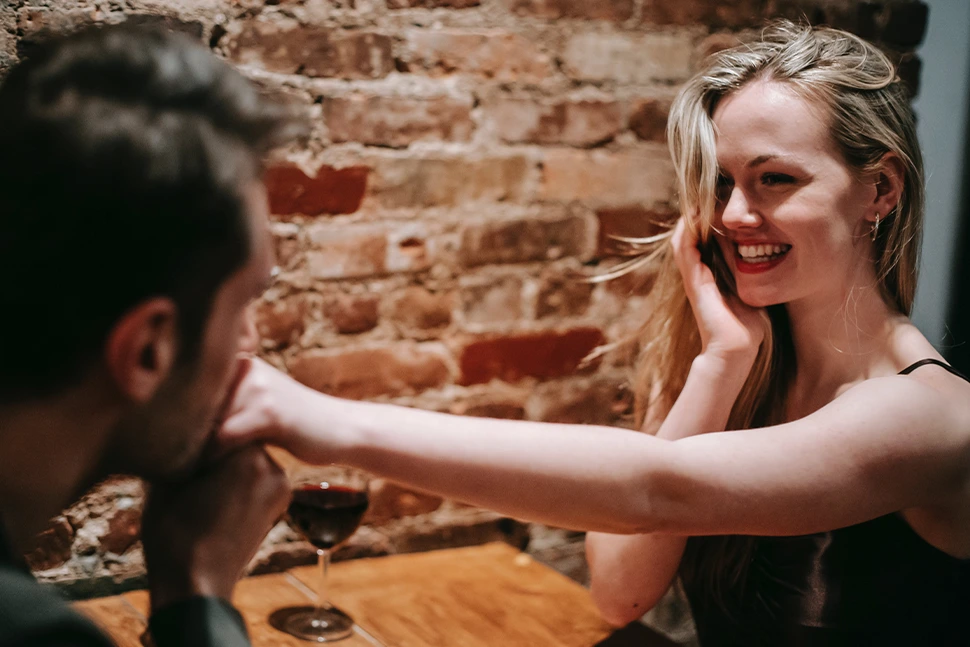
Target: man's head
132 230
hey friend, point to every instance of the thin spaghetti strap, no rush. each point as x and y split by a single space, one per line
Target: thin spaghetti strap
929 360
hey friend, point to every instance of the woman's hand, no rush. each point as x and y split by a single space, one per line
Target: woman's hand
728 327
271 407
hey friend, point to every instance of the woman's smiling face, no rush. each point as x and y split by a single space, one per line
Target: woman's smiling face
790 212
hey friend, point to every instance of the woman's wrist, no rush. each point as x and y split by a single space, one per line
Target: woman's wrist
318 428
704 405
731 367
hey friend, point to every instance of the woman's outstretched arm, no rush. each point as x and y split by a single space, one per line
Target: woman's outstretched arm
888 444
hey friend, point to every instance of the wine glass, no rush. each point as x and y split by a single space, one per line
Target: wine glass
327 506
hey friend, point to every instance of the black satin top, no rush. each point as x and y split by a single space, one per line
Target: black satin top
875 583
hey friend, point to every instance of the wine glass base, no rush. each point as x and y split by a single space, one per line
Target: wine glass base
315 624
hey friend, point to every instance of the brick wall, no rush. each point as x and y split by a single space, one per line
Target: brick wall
468 158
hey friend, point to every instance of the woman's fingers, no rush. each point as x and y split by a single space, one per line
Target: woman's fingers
251 415
697 276
722 319
241 429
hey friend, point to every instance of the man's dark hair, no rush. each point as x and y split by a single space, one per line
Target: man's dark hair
124 155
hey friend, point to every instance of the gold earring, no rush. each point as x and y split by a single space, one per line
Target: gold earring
875 227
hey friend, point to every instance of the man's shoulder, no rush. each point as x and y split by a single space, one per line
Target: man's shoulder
33 615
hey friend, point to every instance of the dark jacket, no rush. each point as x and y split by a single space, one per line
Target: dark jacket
35 616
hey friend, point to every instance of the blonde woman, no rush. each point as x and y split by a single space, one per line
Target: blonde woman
838 510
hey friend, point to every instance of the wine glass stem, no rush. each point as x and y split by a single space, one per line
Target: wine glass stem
324 559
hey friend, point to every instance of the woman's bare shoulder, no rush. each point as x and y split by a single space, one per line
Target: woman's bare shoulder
936 374
946 526
917 362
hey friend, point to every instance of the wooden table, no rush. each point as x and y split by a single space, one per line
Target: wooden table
483 596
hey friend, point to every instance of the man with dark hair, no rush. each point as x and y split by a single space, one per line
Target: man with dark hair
133 235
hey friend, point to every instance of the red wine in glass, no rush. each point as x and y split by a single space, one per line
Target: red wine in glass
327 515
328 505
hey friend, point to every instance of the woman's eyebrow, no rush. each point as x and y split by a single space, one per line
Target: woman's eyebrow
761 159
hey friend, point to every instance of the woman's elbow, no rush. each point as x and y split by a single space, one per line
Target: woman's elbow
615 610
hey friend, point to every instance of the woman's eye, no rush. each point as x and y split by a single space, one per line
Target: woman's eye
723 188
773 179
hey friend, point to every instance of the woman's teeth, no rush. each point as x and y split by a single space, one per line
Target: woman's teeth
761 253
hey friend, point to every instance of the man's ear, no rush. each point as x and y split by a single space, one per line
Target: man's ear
141 348
890 180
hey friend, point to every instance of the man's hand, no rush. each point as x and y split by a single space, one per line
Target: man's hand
200 534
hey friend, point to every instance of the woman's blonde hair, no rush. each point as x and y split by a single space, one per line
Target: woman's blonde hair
870 116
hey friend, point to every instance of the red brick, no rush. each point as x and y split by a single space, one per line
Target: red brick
432 4
634 222
602 178
286 242
731 14
648 118
390 501
103 499
369 372
635 283
417 307
124 530
519 241
540 355
398 121
283 321
52 547
628 58
562 296
410 248
716 43
288 252
601 401
352 313
34 24
329 191
448 181
192 28
494 54
613 10
492 301
314 51
574 122
346 252
32 21
629 222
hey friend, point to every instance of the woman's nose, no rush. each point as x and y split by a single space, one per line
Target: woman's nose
738 212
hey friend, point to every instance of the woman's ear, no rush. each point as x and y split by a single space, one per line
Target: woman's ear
141 348
890 180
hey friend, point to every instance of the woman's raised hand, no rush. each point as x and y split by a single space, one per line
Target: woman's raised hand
270 407
728 327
